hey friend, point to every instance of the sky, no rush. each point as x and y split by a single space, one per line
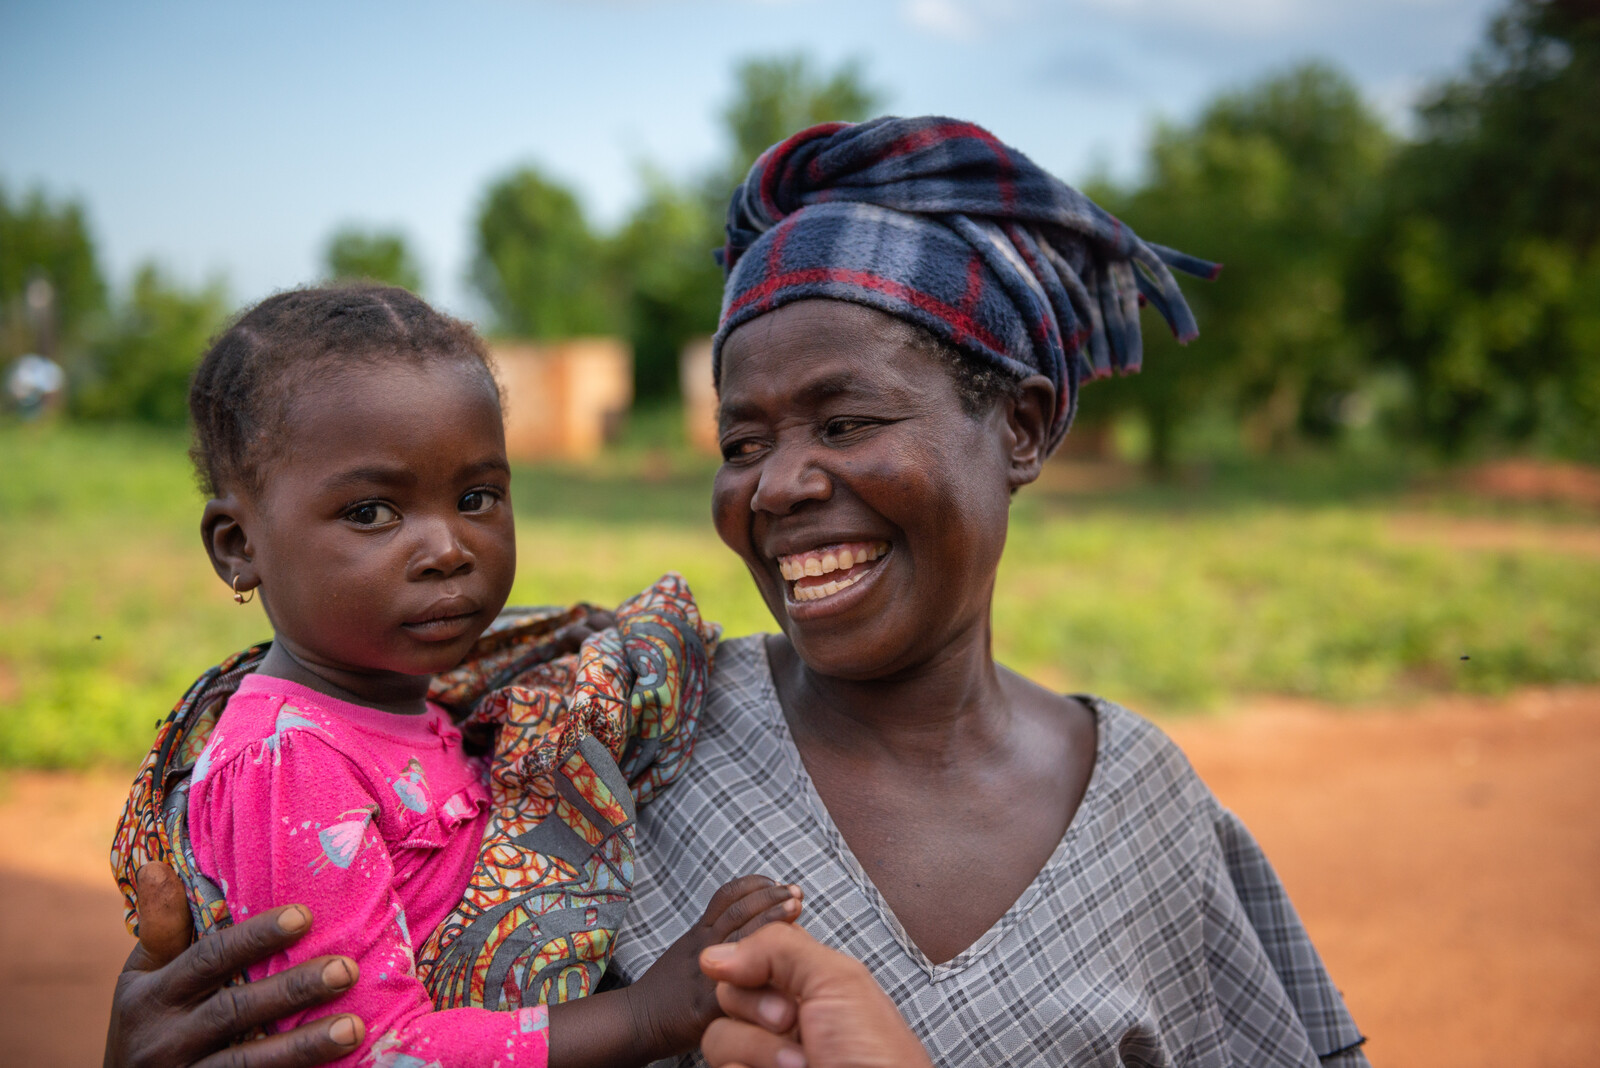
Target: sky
229 139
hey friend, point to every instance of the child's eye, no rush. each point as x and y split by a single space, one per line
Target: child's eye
477 501
372 514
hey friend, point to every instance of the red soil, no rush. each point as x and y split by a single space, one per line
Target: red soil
1444 856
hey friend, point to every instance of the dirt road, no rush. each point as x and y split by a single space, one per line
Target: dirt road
1445 857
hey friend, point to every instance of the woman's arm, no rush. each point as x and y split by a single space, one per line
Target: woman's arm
172 1009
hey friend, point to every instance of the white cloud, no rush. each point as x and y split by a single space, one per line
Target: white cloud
1253 17
943 18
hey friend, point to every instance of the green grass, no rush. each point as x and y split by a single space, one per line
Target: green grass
1253 578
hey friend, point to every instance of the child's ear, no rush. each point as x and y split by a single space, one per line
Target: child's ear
222 528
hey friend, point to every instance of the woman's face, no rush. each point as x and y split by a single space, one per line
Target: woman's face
869 507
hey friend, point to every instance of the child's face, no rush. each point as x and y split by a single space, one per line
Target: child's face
383 539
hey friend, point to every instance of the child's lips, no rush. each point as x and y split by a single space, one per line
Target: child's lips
445 621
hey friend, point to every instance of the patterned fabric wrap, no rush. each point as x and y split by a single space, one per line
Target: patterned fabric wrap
936 222
580 739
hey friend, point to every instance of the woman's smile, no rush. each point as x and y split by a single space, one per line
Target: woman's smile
820 573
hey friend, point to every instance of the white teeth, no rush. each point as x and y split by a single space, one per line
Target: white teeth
837 562
826 589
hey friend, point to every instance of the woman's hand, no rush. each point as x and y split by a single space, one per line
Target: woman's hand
171 1007
793 1003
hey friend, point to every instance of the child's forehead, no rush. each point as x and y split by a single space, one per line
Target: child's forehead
356 408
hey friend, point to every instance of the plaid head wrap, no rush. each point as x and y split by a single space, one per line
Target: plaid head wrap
936 222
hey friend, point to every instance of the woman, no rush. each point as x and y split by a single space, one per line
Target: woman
1034 879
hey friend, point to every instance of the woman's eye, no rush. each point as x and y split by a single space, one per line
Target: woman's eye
372 514
836 428
477 501
741 449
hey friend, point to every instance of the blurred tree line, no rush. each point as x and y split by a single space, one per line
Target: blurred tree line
1441 289
546 273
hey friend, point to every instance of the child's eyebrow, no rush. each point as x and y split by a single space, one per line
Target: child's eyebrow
385 475
366 476
488 465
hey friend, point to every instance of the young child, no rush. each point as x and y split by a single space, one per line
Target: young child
350 439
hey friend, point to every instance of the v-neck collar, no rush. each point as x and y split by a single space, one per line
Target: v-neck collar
1025 902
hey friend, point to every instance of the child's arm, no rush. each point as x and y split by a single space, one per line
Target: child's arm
291 821
670 1006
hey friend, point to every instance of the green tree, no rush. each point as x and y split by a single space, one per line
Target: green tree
378 255
1274 181
774 96
663 254
673 285
1481 280
139 368
46 241
542 270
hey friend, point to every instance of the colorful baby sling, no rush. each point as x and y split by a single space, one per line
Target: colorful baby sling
580 739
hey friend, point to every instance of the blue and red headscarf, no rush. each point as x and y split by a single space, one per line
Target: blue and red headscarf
938 223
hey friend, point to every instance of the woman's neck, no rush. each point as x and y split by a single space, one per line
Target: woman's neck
928 715
404 695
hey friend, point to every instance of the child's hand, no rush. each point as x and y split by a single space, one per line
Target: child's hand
673 1002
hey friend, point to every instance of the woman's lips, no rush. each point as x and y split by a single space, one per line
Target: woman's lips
824 571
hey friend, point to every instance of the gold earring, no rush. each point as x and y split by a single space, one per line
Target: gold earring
242 598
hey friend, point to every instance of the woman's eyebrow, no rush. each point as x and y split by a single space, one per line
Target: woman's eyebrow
843 384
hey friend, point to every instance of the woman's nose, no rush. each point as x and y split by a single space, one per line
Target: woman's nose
789 477
442 551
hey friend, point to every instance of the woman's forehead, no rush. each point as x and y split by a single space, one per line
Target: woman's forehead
818 348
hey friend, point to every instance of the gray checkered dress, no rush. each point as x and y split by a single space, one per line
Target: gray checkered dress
1157 933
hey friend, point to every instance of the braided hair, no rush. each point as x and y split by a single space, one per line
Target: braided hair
242 392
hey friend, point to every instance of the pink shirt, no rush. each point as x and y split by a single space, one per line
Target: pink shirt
374 821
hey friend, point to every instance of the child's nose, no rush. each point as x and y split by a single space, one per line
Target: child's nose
443 552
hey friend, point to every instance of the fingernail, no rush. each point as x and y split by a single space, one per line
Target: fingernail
795 891
343 1032
293 920
789 1057
338 974
772 1009
718 954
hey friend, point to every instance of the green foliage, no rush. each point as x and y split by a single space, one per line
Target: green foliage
1481 278
1165 597
378 255
541 268
776 96
546 274
1272 181
674 286
48 241
139 367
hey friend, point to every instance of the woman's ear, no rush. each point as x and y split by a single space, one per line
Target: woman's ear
1028 416
222 529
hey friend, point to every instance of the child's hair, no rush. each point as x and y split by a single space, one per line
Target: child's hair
241 392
